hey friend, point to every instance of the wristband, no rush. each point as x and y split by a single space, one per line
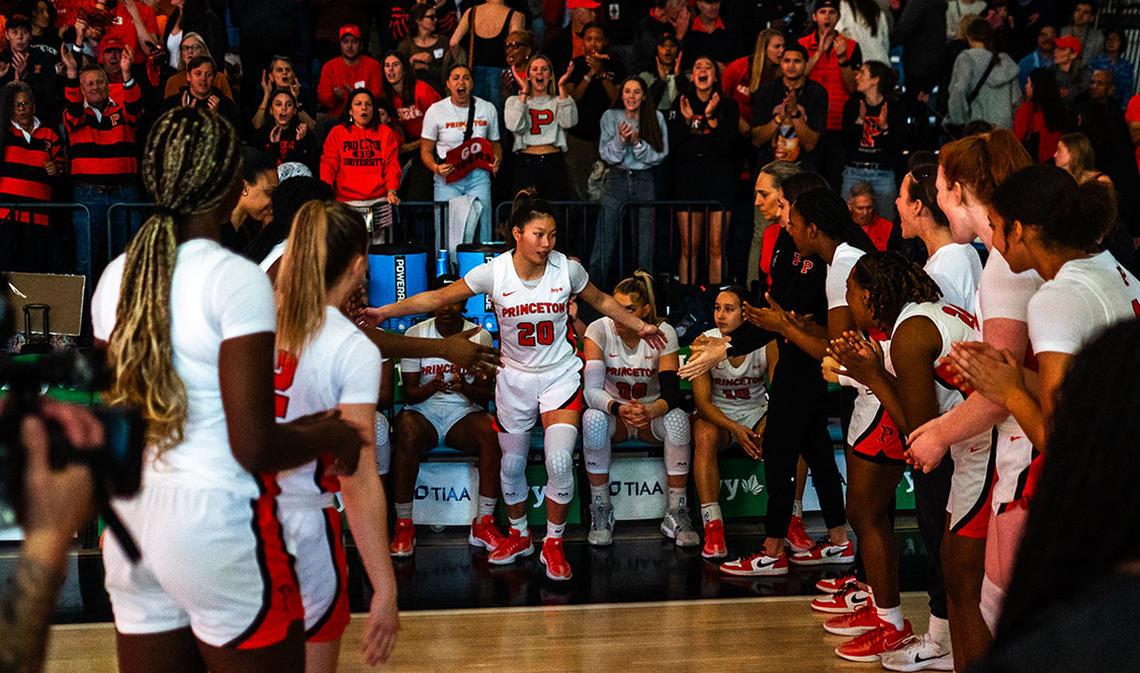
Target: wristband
613 407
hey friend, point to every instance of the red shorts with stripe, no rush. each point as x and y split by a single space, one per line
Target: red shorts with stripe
881 442
213 560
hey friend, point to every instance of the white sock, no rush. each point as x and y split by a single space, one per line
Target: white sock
555 530
892 616
710 512
403 510
677 497
600 495
486 506
519 524
798 508
938 630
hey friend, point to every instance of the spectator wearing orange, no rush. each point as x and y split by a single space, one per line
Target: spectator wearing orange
350 71
360 158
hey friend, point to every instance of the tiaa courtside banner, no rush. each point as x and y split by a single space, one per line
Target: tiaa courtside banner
638 488
446 494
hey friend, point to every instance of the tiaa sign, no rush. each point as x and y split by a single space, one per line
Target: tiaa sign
446 494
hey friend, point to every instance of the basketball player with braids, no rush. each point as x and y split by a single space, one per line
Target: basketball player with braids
325 362
531 287
189 329
890 294
633 392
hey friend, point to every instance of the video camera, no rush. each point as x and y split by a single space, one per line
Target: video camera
116 467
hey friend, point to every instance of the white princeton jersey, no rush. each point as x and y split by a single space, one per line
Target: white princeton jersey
215 295
953 324
1085 297
846 255
438 368
739 391
631 373
534 328
276 253
339 365
957 269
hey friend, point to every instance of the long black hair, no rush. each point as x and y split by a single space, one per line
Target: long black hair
408 94
824 208
1047 98
1049 199
1090 465
647 127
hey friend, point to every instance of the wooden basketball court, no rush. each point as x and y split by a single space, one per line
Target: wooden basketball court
778 634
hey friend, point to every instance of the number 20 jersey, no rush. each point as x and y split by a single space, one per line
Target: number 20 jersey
534 333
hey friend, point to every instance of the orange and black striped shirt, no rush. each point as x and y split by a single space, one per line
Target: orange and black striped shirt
102 146
23 176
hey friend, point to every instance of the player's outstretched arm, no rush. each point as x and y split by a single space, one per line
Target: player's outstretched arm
424 302
606 305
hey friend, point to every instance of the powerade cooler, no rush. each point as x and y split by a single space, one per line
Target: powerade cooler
471 255
396 272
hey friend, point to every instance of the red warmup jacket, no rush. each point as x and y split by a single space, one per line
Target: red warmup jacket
337 73
361 164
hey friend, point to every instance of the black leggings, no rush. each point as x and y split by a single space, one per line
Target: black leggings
931 492
797 426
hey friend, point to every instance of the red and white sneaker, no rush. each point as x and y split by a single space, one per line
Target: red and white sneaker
845 601
856 623
759 564
715 546
797 538
833 584
554 558
870 645
825 552
403 539
484 534
514 546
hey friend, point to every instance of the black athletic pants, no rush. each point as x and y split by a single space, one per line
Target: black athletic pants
931 493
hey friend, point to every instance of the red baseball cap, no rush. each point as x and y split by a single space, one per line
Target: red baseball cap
111 42
349 29
1069 42
582 4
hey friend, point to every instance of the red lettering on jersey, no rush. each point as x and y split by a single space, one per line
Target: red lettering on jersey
962 314
1136 307
737 394
807 265
283 374
628 392
538 119
1123 276
530 333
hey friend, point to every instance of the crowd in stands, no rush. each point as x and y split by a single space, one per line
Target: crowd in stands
376 101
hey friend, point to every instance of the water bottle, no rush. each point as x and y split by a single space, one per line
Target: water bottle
441 264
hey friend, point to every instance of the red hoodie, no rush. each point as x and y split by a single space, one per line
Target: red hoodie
361 164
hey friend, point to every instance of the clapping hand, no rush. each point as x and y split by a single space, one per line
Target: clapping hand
995 374
862 359
564 82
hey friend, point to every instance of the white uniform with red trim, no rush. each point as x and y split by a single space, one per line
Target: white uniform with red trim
1005 294
741 392
631 373
339 365
973 457
541 366
214 556
443 409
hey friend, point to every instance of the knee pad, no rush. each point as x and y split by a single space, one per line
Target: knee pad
992 599
597 429
383 444
512 469
674 430
559 441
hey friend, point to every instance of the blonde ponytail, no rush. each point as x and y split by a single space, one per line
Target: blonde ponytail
640 287
301 281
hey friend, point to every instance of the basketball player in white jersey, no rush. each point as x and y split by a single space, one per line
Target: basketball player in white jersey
541 375
632 390
1044 221
732 401
968 172
325 362
888 293
189 329
444 403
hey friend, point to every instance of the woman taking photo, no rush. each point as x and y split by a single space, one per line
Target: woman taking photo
189 331
1042 118
34 156
325 362
633 393
457 124
410 97
287 139
874 135
360 158
703 153
634 139
541 376
539 121
426 49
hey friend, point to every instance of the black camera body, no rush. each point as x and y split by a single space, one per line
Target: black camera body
116 467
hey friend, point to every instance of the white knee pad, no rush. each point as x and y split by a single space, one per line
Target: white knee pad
992 599
383 444
512 469
559 441
675 431
597 429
